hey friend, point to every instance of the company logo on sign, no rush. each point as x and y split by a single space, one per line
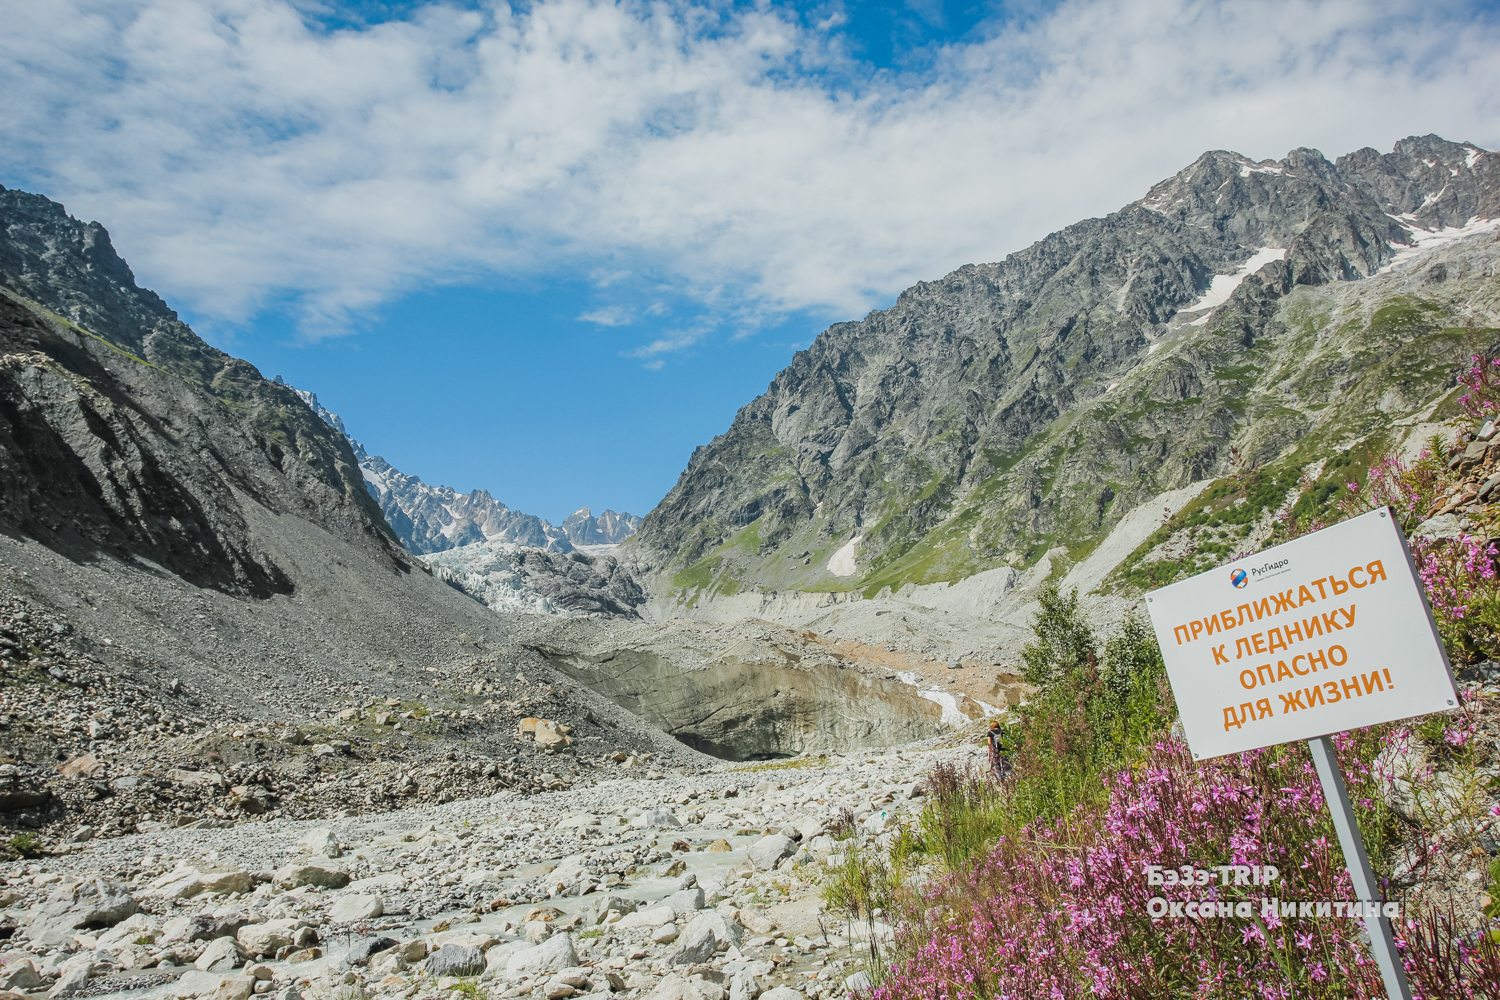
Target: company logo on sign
1239 578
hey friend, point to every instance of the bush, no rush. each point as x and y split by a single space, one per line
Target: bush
26 845
1064 641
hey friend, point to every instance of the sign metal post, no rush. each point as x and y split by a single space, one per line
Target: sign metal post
1382 943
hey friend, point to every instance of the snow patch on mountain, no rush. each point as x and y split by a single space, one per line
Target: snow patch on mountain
1424 240
1224 285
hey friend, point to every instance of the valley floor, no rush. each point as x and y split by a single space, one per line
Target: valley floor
712 874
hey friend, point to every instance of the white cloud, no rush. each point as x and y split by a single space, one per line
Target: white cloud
608 316
241 156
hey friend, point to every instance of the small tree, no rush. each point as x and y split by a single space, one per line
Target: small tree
1064 640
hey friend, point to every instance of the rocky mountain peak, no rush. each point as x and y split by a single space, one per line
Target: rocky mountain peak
431 519
1006 409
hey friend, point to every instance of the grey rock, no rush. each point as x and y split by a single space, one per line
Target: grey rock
768 851
364 949
455 960
656 818
783 993
552 955
743 986
1442 526
725 932
686 901
859 982
694 946
221 955
303 873
19 975
73 975
90 903
610 901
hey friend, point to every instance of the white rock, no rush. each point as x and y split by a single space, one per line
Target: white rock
782 993
19 975
355 906
809 827
319 840
201 984
755 922
128 932
658 818
726 933
552 955
654 916
221 955
686 901
743 986
767 852
665 934
266 938
73 976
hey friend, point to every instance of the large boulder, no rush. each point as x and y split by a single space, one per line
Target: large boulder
302 873
455 960
73 975
204 926
185 883
319 840
767 852
267 938
19 976
659 818
610 901
653 916
695 945
552 955
221 955
686 901
89 904
355 906
704 935
365 949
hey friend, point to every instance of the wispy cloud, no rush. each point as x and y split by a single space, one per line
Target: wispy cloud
608 316
676 340
243 154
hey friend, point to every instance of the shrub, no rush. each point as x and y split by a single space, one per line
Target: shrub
26 845
1064 641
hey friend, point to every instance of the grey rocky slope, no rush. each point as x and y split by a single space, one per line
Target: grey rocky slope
437 518
191 569
1011 413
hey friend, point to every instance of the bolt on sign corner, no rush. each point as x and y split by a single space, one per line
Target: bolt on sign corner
1328 632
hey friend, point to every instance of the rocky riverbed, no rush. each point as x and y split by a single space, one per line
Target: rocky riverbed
681 885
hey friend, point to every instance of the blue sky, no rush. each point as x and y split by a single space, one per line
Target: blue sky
547 249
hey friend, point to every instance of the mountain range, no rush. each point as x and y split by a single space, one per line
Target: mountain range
431 519
1243 316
